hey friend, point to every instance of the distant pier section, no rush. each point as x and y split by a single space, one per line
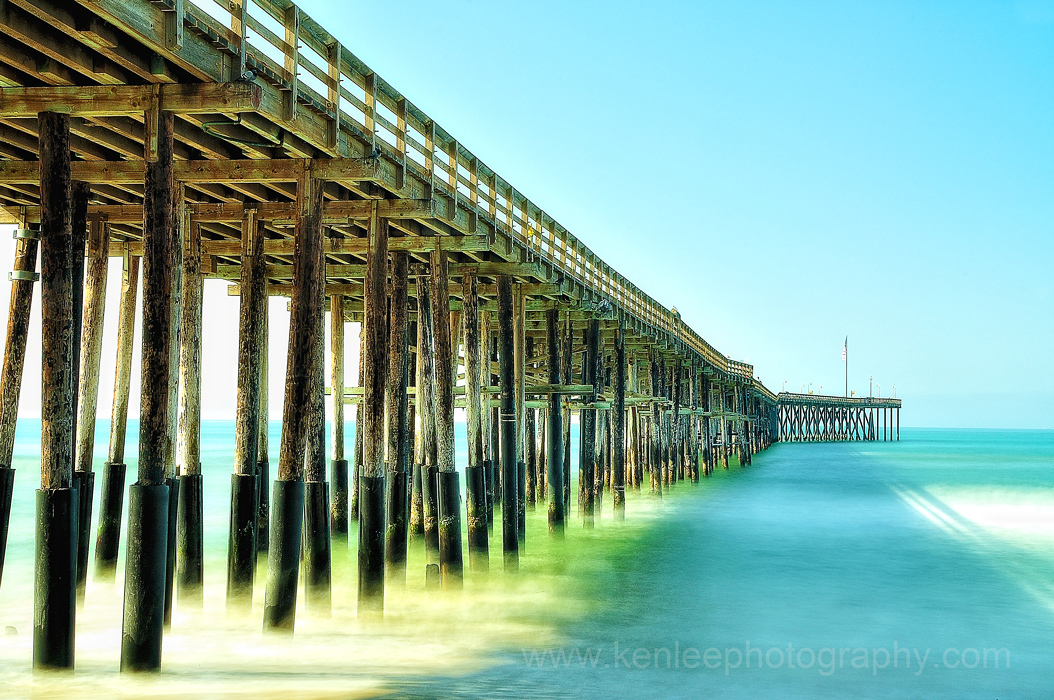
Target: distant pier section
816 418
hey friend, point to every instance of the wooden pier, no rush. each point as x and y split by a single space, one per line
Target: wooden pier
241 141
816 418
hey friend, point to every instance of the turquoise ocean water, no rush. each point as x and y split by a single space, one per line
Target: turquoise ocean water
923 568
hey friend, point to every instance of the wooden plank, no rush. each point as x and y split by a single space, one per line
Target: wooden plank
205 171
331 246
334 213
129 100
491 269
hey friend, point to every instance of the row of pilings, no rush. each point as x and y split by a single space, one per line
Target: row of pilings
648 418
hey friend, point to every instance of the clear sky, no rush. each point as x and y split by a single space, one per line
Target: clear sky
785 174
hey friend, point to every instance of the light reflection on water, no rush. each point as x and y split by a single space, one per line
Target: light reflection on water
940 541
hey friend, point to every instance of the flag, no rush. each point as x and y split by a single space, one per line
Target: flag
845 348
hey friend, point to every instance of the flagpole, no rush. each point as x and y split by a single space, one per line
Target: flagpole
847 367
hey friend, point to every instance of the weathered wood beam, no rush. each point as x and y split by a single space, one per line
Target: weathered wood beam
199 171
491 269
331 246
129 100
279 214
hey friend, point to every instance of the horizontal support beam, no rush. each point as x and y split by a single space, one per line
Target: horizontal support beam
334 213
130 100
331 246
202 171
789 399
490 269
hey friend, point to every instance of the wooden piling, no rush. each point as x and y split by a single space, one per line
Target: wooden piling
588 423
56 549
190 513
675 462
356 463
603 446
507 421
241 542
317 556
375 374
425 497
416 526
263 459
725 432
147 549
287 502
451 560
495 423
566 363
486 419
338 465
396 419
530 446
708 456
655 453
541 451
111 506
83 481
475 478
519 355
11 376
179 221
618 428
555 456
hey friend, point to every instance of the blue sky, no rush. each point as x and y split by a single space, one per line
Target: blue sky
786 174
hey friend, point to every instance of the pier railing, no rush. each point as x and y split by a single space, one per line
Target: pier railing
785 397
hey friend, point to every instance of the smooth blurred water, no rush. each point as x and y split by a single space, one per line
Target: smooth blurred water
935 548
